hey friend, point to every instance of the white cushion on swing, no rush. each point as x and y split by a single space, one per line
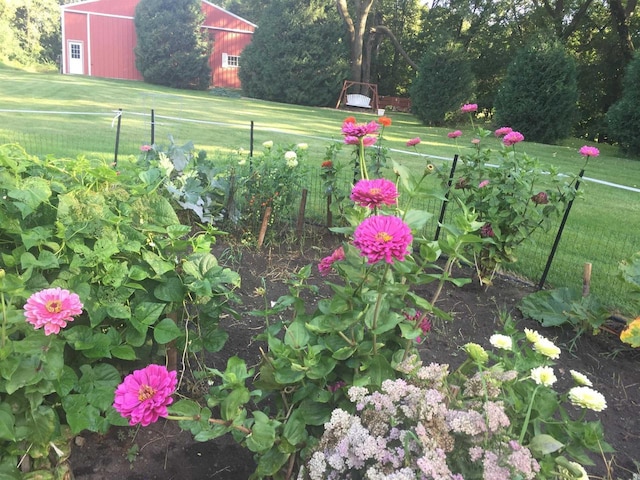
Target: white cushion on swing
358 100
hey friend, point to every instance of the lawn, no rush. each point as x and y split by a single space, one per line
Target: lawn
68 116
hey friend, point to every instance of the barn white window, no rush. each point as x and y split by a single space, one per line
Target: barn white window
231 61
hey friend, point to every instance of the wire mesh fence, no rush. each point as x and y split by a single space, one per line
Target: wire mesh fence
604 249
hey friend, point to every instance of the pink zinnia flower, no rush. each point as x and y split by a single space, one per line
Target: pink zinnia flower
368 141
483 183
52 308
374 193
352 129
145 148
469 107
502 131
454 134
588 151
476 141
382 237
144 395
327 262
512 138
413 142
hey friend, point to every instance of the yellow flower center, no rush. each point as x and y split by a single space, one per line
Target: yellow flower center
374 191
383 237
53 306
145 393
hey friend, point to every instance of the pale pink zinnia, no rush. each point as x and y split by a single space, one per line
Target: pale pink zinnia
413 142
374 193
512 138
383 237
327 262
146 148
469 107
483 183
52 308
588 151
454 134
144 395
502 131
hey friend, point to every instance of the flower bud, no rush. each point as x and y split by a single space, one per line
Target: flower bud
540 198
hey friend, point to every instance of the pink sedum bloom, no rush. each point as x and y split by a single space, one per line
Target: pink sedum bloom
413 142
374 193
325 265
144 395
469 108
454 134
588 151
512 138
383 237
52 308
502 131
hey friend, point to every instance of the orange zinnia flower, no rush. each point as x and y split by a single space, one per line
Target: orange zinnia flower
384 121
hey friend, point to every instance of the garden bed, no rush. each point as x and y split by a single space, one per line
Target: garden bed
161 451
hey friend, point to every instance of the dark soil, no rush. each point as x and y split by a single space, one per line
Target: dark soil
162 451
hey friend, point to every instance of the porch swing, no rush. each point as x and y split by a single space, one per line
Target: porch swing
368 99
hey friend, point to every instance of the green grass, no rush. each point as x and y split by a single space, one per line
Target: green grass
604 226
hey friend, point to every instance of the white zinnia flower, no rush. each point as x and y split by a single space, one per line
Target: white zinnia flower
501 341
292 159
547 348
267 144
543 376
242 162
532 335
302 146
580 378
587 397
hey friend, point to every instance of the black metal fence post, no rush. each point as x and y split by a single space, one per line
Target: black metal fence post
558 235
443 209
153 126
115 155
251 145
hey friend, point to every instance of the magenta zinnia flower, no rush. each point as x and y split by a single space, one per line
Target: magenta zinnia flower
374 193
512 138
469 107
454 134
144 395
382 237
588 151
486 231
502 131
52 308
413 142
327 262
352 129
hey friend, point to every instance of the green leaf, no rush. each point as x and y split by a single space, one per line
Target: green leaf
124 352
157 263
263 433
295 429
32 193
170 291
166 331
544 444
296 335
46 260
147 313
7 423
234 402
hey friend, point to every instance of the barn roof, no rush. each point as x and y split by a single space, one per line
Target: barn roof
127 8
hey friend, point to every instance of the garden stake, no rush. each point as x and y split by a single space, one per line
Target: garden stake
443 209
251 144
263 227
586 279
557 240
115 155
301 213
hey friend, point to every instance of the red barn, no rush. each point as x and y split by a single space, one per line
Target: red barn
98 38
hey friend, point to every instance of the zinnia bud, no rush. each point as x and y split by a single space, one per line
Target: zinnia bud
540 198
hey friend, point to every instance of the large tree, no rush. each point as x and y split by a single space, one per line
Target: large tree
297 55
172 50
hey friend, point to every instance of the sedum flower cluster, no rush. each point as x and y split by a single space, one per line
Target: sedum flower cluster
422 427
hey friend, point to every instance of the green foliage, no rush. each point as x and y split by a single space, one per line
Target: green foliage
271 179
512 194
297 55
444 82
110 237
539 94
171 48
624 116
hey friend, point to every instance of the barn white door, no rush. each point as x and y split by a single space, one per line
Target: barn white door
76 58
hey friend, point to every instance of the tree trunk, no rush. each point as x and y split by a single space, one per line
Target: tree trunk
356 27
620 18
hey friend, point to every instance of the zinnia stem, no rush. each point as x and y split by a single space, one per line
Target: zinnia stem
3 340
525 425
216 421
